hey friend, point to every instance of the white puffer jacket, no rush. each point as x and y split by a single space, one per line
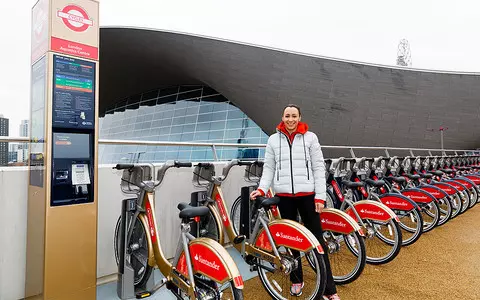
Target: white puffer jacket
296 167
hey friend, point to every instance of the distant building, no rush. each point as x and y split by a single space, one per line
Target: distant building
3 145
24 132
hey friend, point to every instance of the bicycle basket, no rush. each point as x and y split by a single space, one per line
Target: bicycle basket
203 175
253 172
131 178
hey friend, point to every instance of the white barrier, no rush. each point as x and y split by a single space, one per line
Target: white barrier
175 188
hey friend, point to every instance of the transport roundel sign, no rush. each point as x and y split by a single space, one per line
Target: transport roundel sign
75 18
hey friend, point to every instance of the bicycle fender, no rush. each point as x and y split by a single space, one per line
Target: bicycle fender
418 195
457 184
474 178
373 210
435 191
448 188
465 181
289 234
210 259
151 256
337 221
397 201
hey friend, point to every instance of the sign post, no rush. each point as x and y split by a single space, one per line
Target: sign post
61 260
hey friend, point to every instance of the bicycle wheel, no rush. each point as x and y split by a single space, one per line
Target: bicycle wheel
209 289
445 207
137 249
411 224
456 205
277 282
347 255
431 215
465 197
235 215
209 226
383 240
472 192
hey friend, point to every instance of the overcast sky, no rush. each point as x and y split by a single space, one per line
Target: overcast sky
443 35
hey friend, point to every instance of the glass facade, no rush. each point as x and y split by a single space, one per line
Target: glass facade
178 114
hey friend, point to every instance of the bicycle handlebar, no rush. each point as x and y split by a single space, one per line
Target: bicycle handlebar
123 166
179 164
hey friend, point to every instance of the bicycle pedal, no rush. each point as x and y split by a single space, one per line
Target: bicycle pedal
142 295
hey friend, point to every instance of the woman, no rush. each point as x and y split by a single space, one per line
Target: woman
294 164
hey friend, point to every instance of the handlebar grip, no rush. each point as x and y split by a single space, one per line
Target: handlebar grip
179 164
123 166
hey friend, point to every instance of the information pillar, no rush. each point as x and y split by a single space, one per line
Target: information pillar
61 261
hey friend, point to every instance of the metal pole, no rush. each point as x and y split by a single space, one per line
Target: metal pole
441 139
215 157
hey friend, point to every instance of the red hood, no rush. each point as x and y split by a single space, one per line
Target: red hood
302 128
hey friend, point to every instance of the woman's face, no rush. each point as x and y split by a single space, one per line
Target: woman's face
290 118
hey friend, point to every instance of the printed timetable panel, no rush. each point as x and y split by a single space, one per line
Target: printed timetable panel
73 93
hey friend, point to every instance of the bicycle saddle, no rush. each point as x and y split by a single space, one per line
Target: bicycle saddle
426 175
188 212
398 179
266 202
413 176
438 173
375 183
352 184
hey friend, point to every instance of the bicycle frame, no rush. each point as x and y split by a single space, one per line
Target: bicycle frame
279 232
210 259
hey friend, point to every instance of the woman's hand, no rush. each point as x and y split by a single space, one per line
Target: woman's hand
318 207
255 194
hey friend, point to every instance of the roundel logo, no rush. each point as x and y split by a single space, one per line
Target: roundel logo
75 18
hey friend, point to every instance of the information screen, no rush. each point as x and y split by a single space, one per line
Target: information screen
71 145
73 93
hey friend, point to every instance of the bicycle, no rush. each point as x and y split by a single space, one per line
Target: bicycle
201 266
378 222
340 231
274 248
370 171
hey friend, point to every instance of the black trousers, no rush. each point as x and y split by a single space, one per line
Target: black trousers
289 208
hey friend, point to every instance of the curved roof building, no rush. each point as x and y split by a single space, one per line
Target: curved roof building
344 102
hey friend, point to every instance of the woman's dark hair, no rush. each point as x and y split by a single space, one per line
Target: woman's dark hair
294 106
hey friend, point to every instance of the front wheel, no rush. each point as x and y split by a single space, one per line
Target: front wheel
137 251
347 256
383 240
277 282
411 223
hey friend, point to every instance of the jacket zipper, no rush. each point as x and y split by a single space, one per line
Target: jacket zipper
291 161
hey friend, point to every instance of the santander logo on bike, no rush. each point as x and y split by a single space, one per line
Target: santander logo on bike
371 212
210 264
289 237
390 202
334 223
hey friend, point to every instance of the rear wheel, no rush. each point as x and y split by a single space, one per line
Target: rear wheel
209 289
456 204
137 251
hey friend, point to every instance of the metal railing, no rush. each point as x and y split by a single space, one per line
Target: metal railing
214 146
